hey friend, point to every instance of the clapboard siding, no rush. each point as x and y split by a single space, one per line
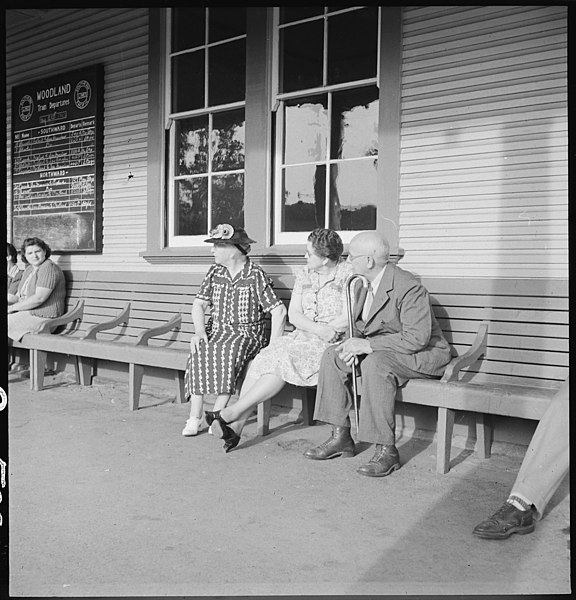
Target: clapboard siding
483 164
65 39
483 170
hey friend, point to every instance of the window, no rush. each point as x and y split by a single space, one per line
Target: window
207 90
326 121
278 119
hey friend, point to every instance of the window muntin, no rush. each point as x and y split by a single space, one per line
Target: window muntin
207 68
326 148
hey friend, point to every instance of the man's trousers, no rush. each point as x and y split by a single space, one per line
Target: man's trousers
382 373
547 459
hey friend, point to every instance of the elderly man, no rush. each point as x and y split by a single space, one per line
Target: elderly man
396 338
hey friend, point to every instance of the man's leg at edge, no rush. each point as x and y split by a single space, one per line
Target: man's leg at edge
545 465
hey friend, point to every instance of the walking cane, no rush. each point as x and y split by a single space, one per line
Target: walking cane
349 285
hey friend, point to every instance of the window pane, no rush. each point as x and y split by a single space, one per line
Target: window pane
192 145
301 49
227 73
303 198
353 191
288 14
226 22
188 81
228 199
351 54
228 140
306 130
188 28
191 213
355 123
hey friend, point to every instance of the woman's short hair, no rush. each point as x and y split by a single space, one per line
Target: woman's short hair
326 243
12 252
34 241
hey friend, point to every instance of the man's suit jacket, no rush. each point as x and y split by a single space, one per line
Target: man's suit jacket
401 320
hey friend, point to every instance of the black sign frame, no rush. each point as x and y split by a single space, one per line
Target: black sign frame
57 160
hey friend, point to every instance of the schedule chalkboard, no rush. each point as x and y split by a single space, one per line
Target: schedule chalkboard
57 160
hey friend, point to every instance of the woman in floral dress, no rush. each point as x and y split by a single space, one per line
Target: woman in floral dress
318 313
239 294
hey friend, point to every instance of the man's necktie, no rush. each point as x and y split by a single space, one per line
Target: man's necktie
367 302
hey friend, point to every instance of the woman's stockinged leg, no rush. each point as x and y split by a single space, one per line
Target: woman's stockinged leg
253 392
221 401
196 403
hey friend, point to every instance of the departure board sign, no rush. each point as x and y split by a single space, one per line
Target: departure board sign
57 160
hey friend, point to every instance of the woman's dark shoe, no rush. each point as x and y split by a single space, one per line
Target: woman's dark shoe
211 415
222 430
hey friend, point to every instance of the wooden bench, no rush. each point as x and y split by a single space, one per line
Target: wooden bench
510 366
120 317
142 321
514 372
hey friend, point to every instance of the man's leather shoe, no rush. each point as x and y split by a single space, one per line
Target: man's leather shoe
504 522
340 443
222 430
385 460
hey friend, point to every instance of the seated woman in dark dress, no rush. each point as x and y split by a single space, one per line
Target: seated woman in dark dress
239 294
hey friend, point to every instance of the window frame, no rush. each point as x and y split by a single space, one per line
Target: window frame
261 71
278 98
174 240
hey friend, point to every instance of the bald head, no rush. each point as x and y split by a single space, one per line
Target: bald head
373 244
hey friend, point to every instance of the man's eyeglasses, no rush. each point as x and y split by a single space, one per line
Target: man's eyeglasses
351 257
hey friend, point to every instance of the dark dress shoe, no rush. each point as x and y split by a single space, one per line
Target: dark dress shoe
222 430
210 415
504 522
340 443
385 460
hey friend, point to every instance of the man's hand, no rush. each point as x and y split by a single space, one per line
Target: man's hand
195 341
353 347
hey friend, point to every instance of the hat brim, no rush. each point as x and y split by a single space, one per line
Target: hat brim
233 242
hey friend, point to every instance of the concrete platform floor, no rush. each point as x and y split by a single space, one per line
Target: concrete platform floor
109 502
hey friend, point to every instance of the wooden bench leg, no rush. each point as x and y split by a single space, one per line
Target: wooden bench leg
136 372
308 403
263 427
37 366
483 435
180 395
444 442
84 370
32 361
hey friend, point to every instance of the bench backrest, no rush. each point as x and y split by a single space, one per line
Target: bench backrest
153 301
528 326
527 339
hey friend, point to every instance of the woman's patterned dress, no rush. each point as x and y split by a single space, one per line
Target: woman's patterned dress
295 357
235 329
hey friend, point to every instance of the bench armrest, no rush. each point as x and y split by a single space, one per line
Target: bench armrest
75 313
121 318
173 323
468 358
